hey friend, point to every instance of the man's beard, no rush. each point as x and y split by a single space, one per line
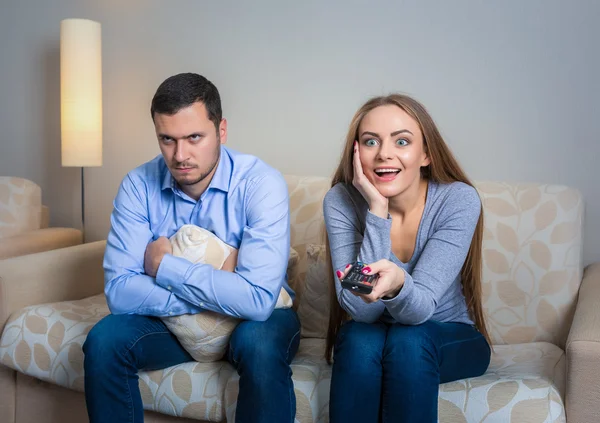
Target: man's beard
204 174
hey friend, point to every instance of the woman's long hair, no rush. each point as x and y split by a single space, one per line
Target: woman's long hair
443 168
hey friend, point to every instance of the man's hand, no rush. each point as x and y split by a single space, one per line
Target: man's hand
155 251
230 262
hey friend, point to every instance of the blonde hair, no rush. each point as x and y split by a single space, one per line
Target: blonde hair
443 168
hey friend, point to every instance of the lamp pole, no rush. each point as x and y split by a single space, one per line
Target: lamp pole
81 97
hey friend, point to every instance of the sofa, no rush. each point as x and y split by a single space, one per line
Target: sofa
542 308
24 221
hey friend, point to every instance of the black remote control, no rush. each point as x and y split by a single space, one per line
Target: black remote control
357 281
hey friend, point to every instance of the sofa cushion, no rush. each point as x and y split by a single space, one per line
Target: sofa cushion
532 264
313 305
20 206
193 390
205 335
44 341
306 217
524 382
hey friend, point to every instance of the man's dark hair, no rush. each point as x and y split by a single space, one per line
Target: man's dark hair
183 90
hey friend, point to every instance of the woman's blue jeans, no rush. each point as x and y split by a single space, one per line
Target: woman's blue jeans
392 372
121 345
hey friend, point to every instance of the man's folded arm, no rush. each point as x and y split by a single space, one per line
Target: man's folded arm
128 289
250 292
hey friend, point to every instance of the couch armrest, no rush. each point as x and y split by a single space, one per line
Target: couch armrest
583 352
39 240
65 274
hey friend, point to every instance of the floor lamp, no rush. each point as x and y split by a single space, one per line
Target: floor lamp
81 97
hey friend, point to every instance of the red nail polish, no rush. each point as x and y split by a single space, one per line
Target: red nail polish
339 274
348 265
366 270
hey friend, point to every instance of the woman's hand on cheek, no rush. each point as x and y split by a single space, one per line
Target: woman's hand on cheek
389 283
378 204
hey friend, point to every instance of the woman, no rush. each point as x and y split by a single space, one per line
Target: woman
400 203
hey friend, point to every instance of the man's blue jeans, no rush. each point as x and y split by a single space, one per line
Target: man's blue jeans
391 373
121 345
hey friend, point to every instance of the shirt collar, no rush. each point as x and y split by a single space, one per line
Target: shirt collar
222 176
221 179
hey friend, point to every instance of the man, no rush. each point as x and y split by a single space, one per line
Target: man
242 201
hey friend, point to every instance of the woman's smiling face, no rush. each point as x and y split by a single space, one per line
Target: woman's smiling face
391 149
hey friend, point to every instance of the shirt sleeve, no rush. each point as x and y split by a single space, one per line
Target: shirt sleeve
440 262
349 244
128 289
251 291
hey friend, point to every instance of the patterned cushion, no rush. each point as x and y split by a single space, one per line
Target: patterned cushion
20 206
532 260
192 390
313 308
306 218
45 341
525 382
206 335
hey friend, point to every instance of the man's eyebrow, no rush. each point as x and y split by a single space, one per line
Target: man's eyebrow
200 134
161 135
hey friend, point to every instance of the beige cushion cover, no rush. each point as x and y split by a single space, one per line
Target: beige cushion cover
313 307
20 206
206 335
44 341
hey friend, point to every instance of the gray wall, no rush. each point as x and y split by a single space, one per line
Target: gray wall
512 85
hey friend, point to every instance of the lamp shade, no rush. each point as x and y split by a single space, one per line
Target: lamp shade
81 92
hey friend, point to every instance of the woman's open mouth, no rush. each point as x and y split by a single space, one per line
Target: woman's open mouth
386 174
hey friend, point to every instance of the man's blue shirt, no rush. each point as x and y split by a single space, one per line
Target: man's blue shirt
246 205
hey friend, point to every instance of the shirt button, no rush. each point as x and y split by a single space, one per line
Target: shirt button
169 287
201 304
170 313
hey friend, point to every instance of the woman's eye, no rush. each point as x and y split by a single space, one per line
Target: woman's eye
402 142
370 142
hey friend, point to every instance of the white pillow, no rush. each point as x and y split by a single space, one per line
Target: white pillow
205 335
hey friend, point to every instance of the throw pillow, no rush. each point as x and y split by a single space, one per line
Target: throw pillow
313 309
206 335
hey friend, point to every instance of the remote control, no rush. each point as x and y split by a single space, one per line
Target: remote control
357 281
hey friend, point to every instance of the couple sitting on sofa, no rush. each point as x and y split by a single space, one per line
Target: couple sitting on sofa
399 202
